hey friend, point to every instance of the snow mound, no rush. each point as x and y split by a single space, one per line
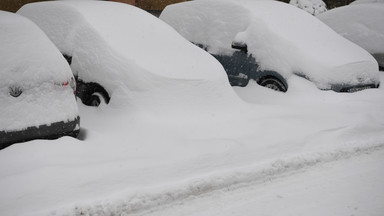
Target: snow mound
126 50
300 45
30 62
361 24
313 7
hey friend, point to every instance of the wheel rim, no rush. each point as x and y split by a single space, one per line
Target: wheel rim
273 87
95 102
273 83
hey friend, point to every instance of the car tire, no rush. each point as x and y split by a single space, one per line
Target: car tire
272 83
95 99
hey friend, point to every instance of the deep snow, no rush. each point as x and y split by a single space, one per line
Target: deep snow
135 159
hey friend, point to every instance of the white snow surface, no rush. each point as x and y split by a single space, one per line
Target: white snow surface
126 50
361 24
134 160
299 45
313 7
30 61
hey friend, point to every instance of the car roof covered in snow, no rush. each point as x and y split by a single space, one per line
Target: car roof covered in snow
119 45
360 23
28 57
280 36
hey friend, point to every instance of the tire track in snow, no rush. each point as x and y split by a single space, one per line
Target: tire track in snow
148 200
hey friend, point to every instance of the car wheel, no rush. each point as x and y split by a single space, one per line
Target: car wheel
272 83
95 99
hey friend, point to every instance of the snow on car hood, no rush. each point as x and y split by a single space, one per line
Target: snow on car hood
281 37
31 62
359 23
121 46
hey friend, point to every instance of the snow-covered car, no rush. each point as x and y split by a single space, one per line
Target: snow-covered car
37 87
114 47
269 41
361 23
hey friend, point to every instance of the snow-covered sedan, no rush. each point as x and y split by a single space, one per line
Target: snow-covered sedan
269 41
36 86
118 50
361 23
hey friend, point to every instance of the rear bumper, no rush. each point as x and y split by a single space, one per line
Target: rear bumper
352 89
53 131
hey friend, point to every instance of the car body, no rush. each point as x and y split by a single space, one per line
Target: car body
36 85
119 49
255 40
361 23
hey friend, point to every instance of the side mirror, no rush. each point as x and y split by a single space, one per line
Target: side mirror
240 46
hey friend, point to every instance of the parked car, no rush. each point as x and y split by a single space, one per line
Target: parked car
269 41
361 23
118 47
37 87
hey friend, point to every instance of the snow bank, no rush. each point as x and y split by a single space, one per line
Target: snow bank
31 62
313 7
126 49
299 45
361 24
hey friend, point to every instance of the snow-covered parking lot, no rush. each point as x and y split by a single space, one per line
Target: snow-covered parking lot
171 148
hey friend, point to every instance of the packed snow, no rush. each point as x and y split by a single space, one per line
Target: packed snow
30 62
361 24
126 50
300 45
313 7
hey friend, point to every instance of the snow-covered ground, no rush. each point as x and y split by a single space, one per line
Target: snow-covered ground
178 145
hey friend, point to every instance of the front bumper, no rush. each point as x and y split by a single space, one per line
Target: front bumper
52 131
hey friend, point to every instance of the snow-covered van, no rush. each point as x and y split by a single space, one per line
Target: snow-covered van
269 41
36 85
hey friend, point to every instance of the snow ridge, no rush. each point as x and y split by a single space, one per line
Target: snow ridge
149 199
